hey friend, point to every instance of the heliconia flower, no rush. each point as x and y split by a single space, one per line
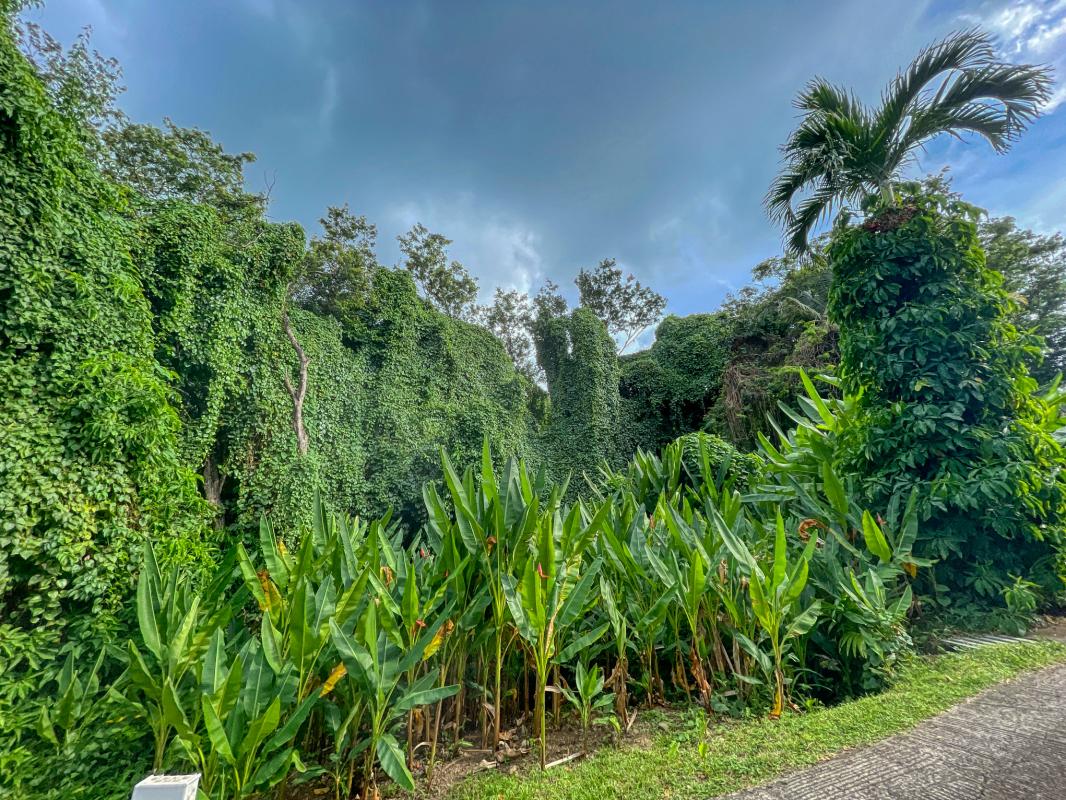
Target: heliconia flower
334 678
540 572
880 520
422 552
420 623
806 526
264 582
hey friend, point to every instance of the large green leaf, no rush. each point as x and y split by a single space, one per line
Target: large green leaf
517 609
573 606
805 621
251 578
213 667
287 732
356 658
174 714
390 756
217 734
270 637
275 563
425 697
834 490
581 642
260 728
146 611
875 539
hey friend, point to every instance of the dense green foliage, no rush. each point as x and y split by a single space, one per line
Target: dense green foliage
944 403
579 363
305 665
176 369
91 460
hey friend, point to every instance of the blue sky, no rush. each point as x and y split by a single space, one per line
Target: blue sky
544 136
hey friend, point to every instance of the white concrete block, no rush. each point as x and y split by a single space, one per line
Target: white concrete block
167 787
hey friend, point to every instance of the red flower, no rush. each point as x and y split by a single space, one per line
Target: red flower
540 572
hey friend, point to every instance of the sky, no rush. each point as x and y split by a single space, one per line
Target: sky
544 136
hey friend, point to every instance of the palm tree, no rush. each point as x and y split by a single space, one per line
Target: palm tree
844 151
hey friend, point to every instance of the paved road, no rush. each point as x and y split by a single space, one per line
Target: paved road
1007 743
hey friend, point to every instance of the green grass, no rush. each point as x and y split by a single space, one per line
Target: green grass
743 754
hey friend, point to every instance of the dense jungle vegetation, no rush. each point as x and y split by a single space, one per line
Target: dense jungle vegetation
278 513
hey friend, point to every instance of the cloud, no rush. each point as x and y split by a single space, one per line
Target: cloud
500 251
1031 31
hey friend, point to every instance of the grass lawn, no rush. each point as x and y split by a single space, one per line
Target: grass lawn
741 754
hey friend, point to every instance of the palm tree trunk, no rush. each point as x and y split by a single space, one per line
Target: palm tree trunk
887 195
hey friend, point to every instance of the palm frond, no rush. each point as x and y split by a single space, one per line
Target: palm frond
963 50
820 96
817 206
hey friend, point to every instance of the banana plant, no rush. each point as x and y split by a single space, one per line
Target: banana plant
376 659
242 731
495 520
590 701
551 595
623 544
299 595
775 596
871 627
176 626
336 568
77 698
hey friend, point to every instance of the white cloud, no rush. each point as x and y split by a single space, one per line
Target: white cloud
1031 31
499 251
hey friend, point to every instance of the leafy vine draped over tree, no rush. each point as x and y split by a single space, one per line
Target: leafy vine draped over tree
944 400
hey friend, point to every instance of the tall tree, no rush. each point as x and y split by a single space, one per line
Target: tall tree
510 318
338 270
447 285
843 151
549 302
83 85
627 307
1034 267
172 162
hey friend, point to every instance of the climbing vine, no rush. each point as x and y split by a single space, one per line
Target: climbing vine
944 401
90 453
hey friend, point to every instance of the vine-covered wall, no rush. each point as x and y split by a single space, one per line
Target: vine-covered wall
388 387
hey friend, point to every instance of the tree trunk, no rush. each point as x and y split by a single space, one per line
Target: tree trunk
213 483
886 192
298 392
